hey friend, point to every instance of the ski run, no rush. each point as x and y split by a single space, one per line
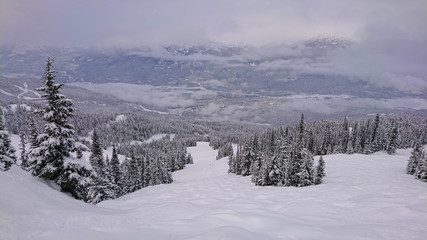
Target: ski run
363 197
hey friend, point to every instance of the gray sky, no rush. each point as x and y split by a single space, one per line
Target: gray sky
391 35
130 23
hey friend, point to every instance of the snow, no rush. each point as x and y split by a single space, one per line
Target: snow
6 93
363 197
159 136
120 118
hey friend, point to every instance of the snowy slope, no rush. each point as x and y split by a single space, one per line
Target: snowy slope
364 197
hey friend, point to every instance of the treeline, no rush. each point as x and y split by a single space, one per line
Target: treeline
277 157
145 167
284 156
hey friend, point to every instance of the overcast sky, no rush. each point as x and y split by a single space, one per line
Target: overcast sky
130 23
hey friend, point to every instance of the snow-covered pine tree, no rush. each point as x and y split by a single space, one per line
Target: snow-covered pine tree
414 159
245 164
76 179
306 175
263 178
146 173
134 175
320 171
375 141
34 143
284 159
350 145
301 130
102 188
421 170
166 174
7 152
238 160
256 169
116 172
231 164
394 134
345 135
22 147
96 158
56 142
274 172
355 138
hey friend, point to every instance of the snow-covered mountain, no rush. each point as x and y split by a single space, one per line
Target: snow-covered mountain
363 197
214 81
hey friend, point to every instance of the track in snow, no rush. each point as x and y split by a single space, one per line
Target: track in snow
364 197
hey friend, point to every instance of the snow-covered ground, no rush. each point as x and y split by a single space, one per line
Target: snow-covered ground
363 197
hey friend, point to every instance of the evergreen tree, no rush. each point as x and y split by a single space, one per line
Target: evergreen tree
274 173
24 156
245 164
375 141
392 144
320 171
76 179
414 159
96 157
306 175
34 143
256 169
237 163
115 169
7 152
134 175
146 174
421 170
263 178
284 160
56 142
301 130
103 187
350 149
345 136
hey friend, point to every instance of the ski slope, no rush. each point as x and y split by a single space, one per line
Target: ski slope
363 197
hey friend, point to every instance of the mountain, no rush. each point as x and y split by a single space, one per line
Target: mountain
268 84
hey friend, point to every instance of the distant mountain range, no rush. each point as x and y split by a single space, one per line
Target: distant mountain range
268 84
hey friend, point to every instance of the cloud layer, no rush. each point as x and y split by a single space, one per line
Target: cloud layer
134 23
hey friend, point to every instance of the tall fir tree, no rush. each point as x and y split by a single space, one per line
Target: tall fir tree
56 142
96 157
49 154
116 172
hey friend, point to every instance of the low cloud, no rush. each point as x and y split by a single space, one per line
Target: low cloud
146 94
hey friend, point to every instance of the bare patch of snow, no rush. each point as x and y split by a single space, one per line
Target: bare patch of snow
120 117
156 137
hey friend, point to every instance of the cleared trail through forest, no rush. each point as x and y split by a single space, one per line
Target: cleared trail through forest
363 197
